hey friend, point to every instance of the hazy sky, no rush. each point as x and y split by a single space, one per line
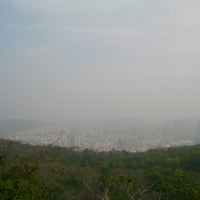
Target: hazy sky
86 59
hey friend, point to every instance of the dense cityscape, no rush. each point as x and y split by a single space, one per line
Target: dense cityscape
128 135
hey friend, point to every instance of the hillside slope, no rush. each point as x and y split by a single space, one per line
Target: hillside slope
45 172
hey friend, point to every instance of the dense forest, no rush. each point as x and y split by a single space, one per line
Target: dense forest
50 172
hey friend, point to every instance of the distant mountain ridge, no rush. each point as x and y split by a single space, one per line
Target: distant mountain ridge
20 124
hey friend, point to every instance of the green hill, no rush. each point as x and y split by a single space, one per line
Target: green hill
46 172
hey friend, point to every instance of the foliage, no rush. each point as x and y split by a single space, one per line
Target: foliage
46 172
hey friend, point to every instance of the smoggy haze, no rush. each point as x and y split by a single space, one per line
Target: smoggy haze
86 59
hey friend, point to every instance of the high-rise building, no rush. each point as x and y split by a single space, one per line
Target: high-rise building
197 132
74 141
122 144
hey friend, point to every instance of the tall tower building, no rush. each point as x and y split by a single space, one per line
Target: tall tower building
122 144
197 132
74 140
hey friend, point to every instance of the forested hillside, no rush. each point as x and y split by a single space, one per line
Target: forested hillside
46 172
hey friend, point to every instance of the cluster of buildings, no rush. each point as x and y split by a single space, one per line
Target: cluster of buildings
129 138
